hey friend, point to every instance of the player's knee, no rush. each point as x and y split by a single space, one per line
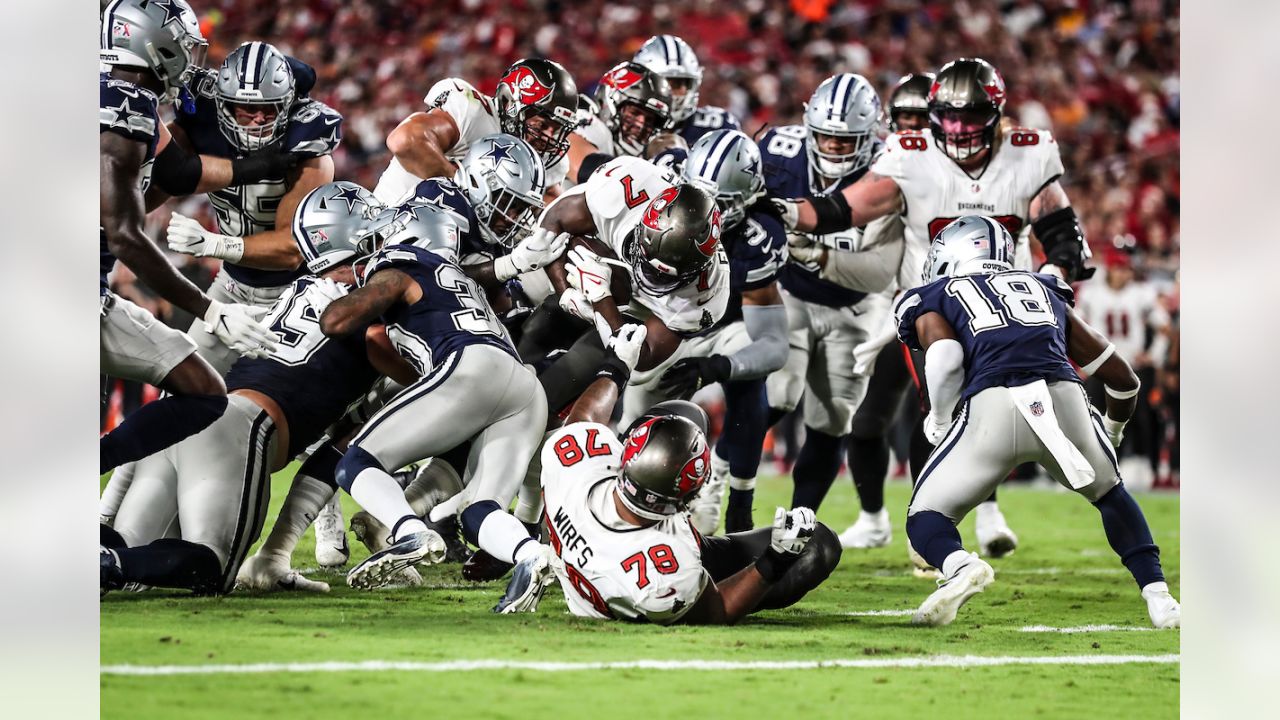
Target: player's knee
1098 489
322 465
869 424
194 376
355 461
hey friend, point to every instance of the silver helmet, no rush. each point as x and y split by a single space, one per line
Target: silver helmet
665 461
673 59
416 223
254 78
327 222
160 35
727 164
504 179
676 239
846 106
638 86
971 245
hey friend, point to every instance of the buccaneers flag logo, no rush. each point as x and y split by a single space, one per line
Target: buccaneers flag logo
637 440
708 246
526 86
621 78
656 207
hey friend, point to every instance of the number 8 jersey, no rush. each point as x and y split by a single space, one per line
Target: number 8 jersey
613 569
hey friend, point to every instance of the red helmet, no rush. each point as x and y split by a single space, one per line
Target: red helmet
665 461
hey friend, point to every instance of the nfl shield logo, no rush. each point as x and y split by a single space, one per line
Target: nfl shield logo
1037 408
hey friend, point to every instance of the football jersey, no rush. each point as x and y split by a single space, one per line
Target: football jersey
617 195
706 119
597 133
613 569
130 111
1123 315
756 251
936 191
314 130
451 314
312 377
1011 325
787 175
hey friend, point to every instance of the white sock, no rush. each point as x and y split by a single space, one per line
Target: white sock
987 511
500 534
1155 587
380 495
953 563
719 465
306 497
113 493
737 483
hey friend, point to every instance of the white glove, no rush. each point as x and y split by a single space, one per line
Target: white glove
238 328
626 342
536 251
802 249
572 302
1115 430
789 210
935 428
792 530
589 274
325 291
189 237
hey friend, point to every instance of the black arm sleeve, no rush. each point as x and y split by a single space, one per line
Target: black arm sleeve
1060 234
590 164
833 213
176 171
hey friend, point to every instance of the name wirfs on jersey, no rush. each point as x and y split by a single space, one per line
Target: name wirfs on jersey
132 112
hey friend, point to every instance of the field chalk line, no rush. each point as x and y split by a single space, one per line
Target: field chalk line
960 661
1084 629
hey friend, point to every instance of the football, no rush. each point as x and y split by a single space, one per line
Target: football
620 283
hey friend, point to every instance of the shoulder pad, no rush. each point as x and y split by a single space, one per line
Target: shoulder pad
315 129
129 110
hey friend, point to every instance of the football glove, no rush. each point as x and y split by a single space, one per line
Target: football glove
588 274
689 375
572 302
935 429
626 342
802 249
537 250
238 328
792 530
789 210
189 237
272 162
324 292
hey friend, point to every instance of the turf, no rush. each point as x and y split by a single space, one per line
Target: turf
1063 575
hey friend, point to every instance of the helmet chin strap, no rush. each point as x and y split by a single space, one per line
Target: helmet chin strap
634 509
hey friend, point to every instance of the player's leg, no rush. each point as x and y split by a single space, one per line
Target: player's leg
571 373
869 453
739 448
134 345
724 556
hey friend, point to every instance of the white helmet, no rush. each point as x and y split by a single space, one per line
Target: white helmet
504 180
847 106
727 163
160 35
673 59
971 245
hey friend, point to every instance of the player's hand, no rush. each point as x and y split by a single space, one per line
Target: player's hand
689 375
572 302
189 237
1115 430
792 530
587 273
935 429
789 210
537 250
271 162
626 342
238 328
325 291
802 249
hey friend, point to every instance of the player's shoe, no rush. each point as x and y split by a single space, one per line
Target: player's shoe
528 582
448 529
704 509
968 580
386 567
369 532
110 576
995 539
269 574
483 567
332 550
921 567
871 530
1165 612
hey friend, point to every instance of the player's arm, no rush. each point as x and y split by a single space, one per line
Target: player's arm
362 306
872 196
579 149
765 318
1097 357
421 140
1056 227
944 372
568 214
178 171
870 269
597 402
384 358
541 248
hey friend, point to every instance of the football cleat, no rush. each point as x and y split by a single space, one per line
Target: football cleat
369 532
448 529
386 567
969 579
871 530
268 574
1165 612
483 567
110 576
332 550
995 539
921 567
528 582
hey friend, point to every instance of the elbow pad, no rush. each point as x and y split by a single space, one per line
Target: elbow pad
1060 234
176 171
833 213
590 164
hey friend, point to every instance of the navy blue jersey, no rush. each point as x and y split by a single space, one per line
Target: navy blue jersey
755 250
131 111
704 120
312 377
1011 325
314 129
451 314
445 194
787 175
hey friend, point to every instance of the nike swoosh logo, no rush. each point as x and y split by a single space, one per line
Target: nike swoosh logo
667 594
331 121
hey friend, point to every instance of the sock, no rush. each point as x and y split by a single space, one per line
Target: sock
933 536
173 564
306 497
1130 538
742 493
816 468
991 498
986 508
113 493
776 414
869 466
377 492
109 538
953 562
487 526
407 525
157 425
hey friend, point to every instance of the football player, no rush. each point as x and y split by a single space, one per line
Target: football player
439 321
152 49
1000 345
672 58
624 546
632 106
215 485
826 320
536 101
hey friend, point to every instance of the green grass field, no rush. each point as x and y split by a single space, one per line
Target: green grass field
1063 576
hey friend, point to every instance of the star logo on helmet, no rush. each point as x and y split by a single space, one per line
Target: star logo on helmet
171 12
621 77
348 195
500 153
525 86
654 211
408 212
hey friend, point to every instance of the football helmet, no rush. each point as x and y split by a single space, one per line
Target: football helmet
910 99
727 164
327 222
673 59
160 35
504 181
538 88
676 239
970 245
254 77
635 85
846 106
665 461
417 223
966 102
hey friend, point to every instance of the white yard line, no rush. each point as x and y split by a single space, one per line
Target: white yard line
961 661
1084 629
880 613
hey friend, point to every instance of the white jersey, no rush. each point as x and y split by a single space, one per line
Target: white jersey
936 191
613 569
598 134
1124 315
617 195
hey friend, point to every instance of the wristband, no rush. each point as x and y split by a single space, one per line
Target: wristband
504 268
772 565
1092 367
229 248
616 370
1122 394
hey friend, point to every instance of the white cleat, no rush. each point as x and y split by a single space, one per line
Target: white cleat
921 567
995 539
269 574
1165 612
529 581
332 550
871 530
386 567
969 579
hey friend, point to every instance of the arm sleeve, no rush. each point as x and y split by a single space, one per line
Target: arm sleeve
767 326
874 267
944 372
